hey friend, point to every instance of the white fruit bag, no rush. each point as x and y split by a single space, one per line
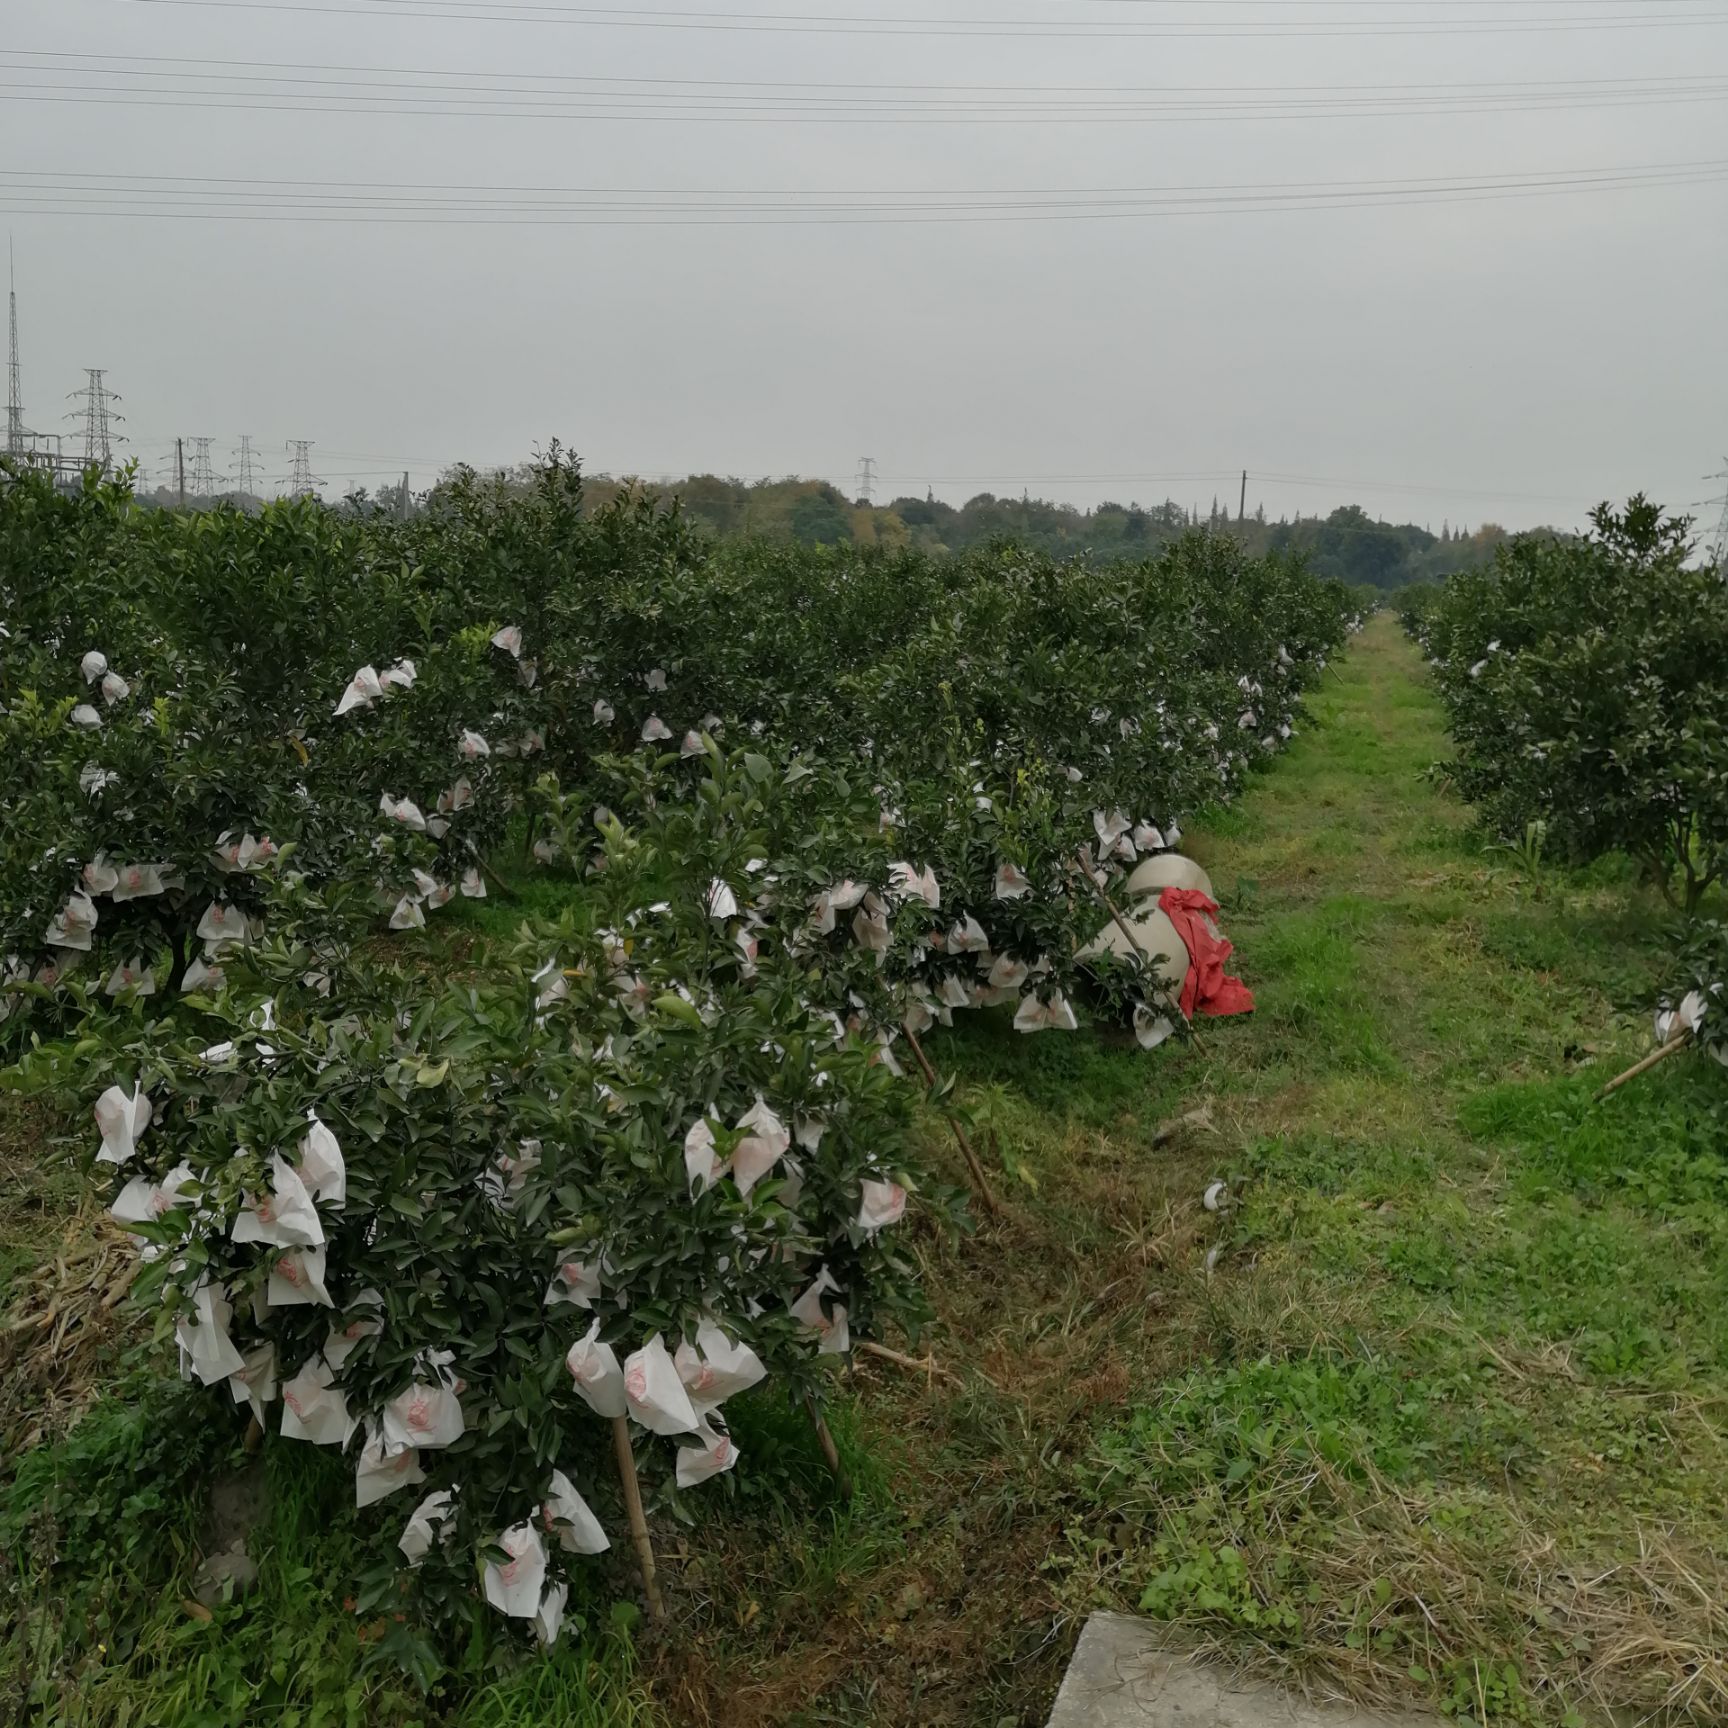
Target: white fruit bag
313 1409
566 1516
715 1368
653 1392
122 1118
382 1468
599 1379
513 1586
285 1217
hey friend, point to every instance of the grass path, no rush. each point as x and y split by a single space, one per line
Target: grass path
1442 1424
1462 1422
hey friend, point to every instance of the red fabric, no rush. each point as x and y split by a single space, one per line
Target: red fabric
1208 986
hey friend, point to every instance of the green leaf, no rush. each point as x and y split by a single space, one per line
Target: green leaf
673 1004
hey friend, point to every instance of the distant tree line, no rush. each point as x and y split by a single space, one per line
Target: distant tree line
1348 544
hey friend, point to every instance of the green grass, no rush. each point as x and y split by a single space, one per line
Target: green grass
1443 1425
1459 1436
101 1533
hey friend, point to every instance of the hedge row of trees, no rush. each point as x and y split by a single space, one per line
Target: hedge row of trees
1585 683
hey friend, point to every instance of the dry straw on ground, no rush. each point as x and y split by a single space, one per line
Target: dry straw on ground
62 1315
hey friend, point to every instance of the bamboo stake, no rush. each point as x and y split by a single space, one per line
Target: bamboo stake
1680 1038
1110 907
1142 960
638 1519
918 1364
930 1079
831 1452
504 887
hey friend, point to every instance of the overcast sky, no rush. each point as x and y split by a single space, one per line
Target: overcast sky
1485 356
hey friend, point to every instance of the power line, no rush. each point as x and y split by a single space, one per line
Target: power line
177 198
971 29
397 188
764 113
1221 475
1145 477
285 66
670 473
384 91
1340 5
1417 487
381 100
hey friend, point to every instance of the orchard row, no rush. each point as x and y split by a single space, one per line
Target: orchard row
1584 682
482 1232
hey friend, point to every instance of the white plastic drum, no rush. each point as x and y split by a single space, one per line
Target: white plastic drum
1156 938
1169 870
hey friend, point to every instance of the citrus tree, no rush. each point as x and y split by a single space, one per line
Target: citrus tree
1583 681
634 1174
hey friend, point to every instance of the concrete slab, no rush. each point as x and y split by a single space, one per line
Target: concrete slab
1121 1678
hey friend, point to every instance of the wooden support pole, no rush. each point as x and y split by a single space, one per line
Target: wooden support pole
978 1177
1680 1039
831 1452
927 1365
638 1519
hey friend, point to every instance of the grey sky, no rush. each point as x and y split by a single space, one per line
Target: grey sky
1520 357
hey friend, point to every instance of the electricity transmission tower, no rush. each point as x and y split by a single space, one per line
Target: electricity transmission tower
866 478
15 434
202 482
245 473
301 479
99 419
1722 528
